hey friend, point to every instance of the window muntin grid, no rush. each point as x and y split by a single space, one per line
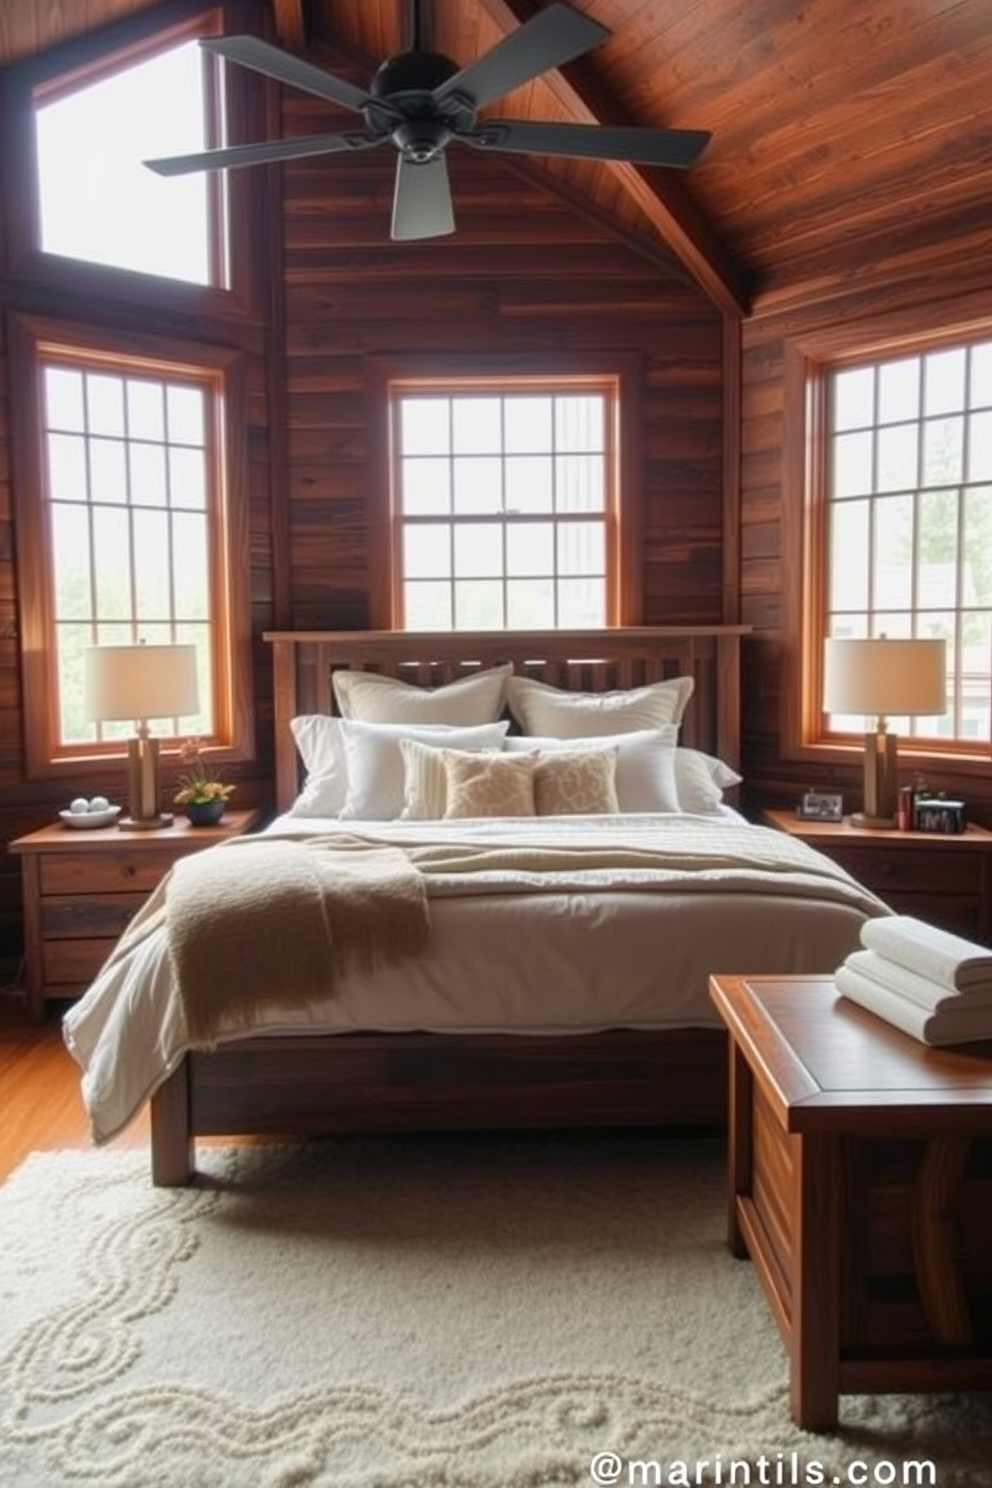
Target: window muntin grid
502 498
909 519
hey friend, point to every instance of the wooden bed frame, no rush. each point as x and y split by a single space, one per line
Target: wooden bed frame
303 1084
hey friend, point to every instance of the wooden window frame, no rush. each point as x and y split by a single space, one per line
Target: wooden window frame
103 52
807 362
386 375
30 336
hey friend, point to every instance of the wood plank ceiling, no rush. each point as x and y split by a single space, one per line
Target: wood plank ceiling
847 134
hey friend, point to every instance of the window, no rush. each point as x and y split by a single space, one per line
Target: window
907 518
132 535
97 201
504 502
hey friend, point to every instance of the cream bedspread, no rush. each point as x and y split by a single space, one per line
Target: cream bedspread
537 925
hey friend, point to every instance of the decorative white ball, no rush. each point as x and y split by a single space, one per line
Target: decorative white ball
99 803
79 805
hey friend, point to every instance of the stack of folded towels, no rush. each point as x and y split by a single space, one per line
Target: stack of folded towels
931 984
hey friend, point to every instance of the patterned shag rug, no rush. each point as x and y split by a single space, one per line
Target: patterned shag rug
430 1312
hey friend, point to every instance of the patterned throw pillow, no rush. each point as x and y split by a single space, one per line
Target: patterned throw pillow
489 784
573 782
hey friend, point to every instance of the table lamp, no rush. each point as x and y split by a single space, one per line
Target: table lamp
884 678
137 683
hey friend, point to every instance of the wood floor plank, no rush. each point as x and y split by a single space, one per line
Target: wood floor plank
40 1105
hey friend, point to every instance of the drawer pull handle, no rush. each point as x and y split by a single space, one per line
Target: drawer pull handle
128 871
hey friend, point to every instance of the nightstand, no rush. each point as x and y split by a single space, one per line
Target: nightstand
80 888
944 879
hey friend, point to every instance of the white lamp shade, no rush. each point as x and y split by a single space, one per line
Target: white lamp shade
141 682
885 678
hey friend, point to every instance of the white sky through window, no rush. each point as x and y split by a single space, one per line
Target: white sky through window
97 200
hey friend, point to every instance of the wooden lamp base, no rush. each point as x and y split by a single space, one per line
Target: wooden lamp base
881 780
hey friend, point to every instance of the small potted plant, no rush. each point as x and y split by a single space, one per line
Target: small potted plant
201 796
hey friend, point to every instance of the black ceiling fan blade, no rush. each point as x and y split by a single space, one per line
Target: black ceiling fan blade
675 148
262 56
422 199
262 153
549 39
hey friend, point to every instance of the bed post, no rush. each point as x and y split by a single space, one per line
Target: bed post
173 1150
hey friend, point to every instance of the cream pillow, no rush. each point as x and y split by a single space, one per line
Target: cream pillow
645 769
425 780
489 784
375 764
542 709
576 782
371 698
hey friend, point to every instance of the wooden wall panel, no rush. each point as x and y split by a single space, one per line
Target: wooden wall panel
522 276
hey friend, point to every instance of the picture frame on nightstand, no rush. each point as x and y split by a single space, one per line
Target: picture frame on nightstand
817 805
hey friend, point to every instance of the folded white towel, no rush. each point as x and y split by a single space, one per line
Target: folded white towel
958 1026
959 964
932 996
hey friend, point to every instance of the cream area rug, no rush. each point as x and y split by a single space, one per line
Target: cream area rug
431 1312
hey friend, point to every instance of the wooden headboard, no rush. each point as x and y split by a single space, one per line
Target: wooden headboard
580 660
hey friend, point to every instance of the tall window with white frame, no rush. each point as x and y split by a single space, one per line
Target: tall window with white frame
503 504
129 475
908 519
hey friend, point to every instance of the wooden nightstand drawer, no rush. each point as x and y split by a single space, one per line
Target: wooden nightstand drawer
89 873
71 917
82 888
934 871
946 881
72 964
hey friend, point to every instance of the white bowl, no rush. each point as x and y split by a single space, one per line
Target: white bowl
91 819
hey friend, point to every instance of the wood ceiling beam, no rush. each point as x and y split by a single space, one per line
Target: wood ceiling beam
290 23
660 194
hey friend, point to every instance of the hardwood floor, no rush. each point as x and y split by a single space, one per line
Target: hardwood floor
40 1104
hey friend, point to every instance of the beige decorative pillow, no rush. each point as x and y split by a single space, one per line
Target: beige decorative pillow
542 709
472 699
425 781
573 782
489 784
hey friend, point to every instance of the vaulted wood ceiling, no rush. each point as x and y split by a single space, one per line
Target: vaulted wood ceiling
848 135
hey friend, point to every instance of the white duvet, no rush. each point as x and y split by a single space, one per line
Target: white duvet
569 951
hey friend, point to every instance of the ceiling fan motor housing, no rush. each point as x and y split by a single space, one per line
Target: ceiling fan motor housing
406 83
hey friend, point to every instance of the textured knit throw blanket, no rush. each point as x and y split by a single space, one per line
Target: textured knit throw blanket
268 919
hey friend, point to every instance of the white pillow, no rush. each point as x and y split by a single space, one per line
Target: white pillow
645 774
371 698
701 780
375 762
542 709
318 739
